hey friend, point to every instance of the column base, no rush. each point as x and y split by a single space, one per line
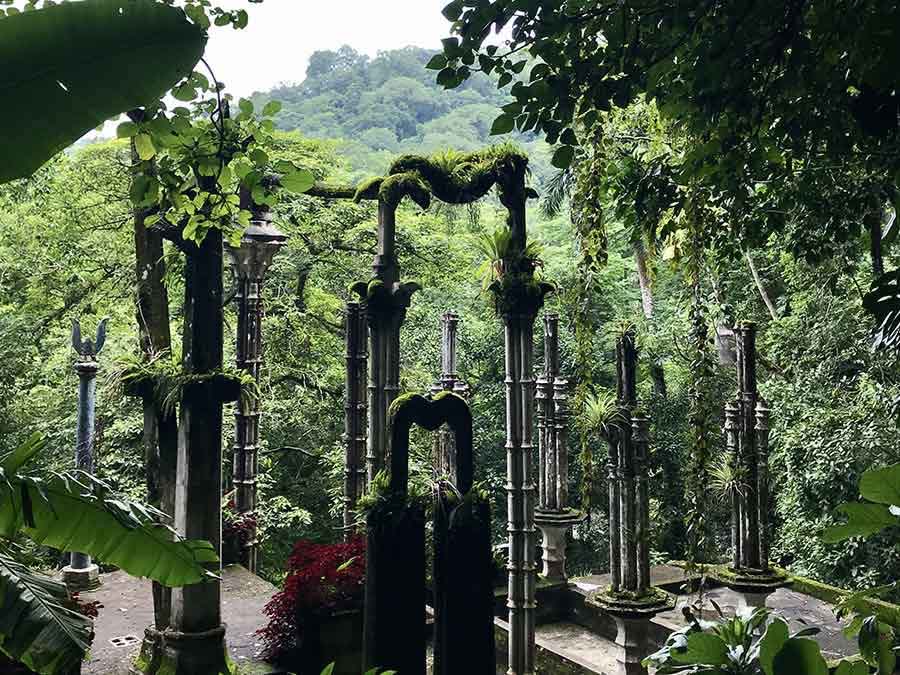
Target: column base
78 580
632 644
752 586
171 652
632 616
752 600
553 526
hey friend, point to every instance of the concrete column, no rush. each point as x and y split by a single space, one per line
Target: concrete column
444 449
632 643
82 574
252 259
354 412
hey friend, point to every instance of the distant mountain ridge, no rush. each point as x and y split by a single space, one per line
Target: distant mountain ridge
389 105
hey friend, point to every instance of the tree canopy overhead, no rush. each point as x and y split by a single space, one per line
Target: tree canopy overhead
67 68
798 74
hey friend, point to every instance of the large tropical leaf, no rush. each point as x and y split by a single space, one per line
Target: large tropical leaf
883 303
65 69
35 627
77 512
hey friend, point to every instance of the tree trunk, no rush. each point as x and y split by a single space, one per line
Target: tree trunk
160 437
640 258
759 285
873 225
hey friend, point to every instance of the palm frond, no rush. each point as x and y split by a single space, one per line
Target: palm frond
557 192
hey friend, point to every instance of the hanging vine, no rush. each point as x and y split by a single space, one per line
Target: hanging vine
701 411
590 228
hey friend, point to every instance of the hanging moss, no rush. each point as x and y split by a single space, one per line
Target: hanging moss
168 384
393 188
464 177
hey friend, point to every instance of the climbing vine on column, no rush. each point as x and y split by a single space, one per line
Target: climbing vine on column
587 216
701 411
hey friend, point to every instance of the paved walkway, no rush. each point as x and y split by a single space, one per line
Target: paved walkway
128 609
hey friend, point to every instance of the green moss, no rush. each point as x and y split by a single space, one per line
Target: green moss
887 612
399 402
651 594
368 189
393 188
410 184
165 380
465 177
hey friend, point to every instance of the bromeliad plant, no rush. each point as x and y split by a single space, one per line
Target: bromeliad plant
75 511
752 643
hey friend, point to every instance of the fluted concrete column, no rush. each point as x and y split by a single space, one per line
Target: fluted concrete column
553 516
354 412
251 261
518 297
444 449
385 300
747 441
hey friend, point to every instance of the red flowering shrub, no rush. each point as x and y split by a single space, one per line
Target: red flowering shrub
321 579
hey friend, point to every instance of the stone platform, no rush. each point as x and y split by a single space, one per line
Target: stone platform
573 637
128 609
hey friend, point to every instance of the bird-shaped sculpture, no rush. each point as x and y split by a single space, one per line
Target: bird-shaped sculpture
88 349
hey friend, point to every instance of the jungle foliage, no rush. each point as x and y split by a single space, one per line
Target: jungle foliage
656 223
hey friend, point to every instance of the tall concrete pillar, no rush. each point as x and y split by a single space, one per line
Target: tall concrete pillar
81 574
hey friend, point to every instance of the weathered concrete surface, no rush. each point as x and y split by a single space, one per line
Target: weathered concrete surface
128 609
796 608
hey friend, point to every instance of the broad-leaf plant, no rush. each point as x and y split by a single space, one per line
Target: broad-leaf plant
75 511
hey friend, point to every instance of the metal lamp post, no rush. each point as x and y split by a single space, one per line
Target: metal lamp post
251 260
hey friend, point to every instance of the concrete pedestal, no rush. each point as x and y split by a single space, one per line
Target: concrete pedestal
175 653
553 526
81 579
632 644
752 599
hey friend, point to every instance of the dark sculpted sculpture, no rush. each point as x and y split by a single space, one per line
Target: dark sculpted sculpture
394 633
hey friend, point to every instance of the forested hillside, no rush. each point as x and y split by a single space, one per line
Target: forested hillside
389 105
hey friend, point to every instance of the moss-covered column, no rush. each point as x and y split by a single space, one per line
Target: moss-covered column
385 300
354 412
553 516
631 601
518 298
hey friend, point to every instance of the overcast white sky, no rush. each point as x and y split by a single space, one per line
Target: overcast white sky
282 34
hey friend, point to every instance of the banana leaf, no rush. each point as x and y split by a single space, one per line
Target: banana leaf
36 628
65 69
77 512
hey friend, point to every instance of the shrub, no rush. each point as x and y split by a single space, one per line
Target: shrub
321 579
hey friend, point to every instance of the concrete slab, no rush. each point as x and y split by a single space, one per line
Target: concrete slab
799 610
668 577
128 609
